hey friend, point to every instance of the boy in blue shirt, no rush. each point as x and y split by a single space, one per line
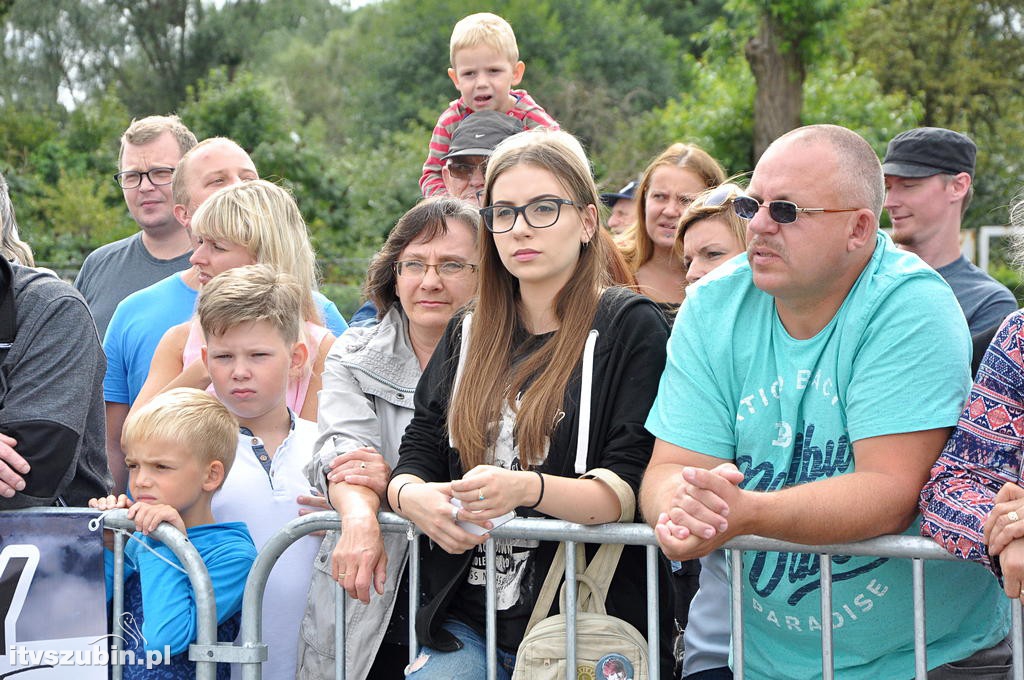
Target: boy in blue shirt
178 450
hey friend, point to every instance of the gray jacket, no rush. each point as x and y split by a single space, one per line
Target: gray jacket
369 379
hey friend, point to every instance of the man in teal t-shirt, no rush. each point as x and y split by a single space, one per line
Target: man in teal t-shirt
829 367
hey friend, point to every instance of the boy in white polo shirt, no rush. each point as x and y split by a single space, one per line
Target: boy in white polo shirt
253 327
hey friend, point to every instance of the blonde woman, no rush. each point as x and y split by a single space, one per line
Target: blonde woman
250 223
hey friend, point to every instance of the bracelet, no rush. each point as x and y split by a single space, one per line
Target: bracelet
540 498
398 496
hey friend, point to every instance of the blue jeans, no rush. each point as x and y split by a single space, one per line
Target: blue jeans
469 663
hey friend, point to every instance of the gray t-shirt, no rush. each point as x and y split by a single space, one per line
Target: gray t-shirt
114 271
985 301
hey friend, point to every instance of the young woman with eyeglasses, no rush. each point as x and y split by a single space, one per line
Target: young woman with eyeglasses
498 410
668 186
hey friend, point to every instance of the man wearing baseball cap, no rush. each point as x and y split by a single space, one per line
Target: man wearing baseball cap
623 207
929 175
472 144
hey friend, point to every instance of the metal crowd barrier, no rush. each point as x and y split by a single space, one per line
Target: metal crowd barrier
252 651
206 651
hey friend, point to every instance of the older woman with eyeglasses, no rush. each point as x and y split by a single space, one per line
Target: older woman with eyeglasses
424 273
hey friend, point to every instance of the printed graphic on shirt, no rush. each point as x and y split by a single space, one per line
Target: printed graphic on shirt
799 415
511 555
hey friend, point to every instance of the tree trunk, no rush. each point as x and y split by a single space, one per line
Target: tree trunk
779 76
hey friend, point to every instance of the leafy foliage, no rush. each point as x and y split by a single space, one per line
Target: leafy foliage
337 103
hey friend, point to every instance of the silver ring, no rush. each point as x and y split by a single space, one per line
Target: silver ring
481 496
455 514
1013 516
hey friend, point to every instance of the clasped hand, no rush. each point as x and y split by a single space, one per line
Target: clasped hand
696 520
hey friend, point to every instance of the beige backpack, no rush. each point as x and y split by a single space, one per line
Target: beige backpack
607 648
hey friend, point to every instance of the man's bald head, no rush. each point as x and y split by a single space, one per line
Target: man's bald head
210 165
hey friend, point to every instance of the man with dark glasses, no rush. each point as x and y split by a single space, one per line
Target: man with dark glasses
807 393
929 175
472 144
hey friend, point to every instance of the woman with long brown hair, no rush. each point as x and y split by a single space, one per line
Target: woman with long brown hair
499 409
668 186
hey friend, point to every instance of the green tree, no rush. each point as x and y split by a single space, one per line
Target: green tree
781 42
961 64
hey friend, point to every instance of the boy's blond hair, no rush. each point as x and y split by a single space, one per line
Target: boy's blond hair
145 130
192 419
253 293
487 29
264 219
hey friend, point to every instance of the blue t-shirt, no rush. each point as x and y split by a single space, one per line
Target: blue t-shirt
143 317
895 358
135 329
160 599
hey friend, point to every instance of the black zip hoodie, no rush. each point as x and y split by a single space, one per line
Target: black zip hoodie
628 361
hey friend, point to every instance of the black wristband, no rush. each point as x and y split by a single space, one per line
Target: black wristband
539 498
398 496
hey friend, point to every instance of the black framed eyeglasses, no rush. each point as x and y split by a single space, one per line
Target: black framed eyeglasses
538 214
783 212
464 171
414 269
129 179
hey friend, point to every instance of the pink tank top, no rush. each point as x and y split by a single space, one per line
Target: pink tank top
314 335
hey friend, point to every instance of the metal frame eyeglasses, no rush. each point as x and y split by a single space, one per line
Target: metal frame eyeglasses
158 177
539 214
414 269
783 212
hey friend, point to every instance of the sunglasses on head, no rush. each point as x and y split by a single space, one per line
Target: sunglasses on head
782 212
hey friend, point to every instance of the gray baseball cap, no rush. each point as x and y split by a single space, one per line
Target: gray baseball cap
927 151
480 132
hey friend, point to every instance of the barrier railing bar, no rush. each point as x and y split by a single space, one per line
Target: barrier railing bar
205 649
920 631
827 661
491 611
413 565
570 606
1017 636
118 605
736 586
340 598
653 624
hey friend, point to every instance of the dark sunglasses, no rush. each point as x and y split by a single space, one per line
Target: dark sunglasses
464 171
783 212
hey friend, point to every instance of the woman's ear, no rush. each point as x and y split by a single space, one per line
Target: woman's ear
590 223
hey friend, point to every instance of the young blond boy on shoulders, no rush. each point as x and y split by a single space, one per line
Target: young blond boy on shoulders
252 322
485 67
178 450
